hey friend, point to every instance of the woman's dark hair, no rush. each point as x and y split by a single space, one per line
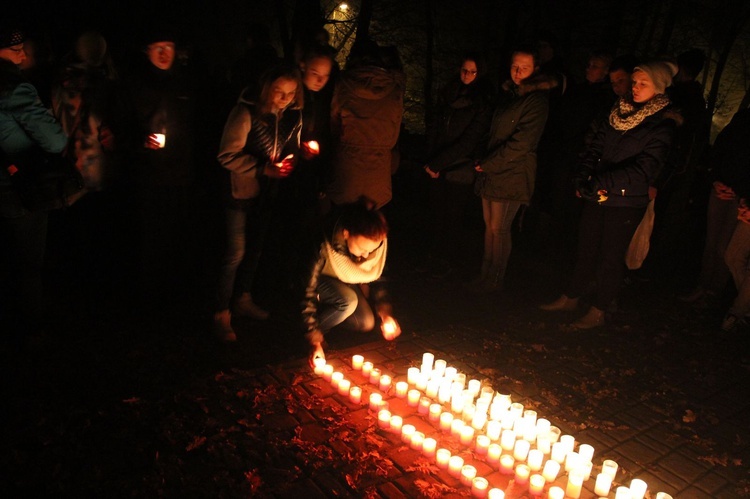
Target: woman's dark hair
287 72
479 60
362 219
313 52
528 50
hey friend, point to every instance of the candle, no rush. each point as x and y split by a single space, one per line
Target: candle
441 458
375 400
575 482
366 368
586 452
357 361
586 468
428 447
468 473
554 434
550 470
433 386
542 426
460 379
455 463
396 423
521 450
456 426
385 383
569 442
435 411
482 445
543 443
427 360
536 484
344 386
439 368
355 395
335 378
572 461
402 387
558 452
496 493
446 419
556 493
535 459
478 420
413 398
609 467
411 375
474 386
663 495
451 373
444 392
638 488
493 454
457 403
422 381
493 430
161 139
603 484
319 365
312 146
416 440
479 487
508 440
467 435
384 419
506 464
327 372
424 406
374 376
407 431
623 493
522 474
516 410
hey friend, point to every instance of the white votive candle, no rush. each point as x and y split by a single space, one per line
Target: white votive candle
467 435
375 376
422 380
413 398
319 365
435 411
663 495
456 427
478 420
569 441
556 492
424 406
496 493
603 484
482 444
451 373
474 386
543 443
493 430
427 360
455 463
428 447
623 493
535 459
493 454
433 386
550 470
508 440
344 386
468 473
441 458
572 461
355 395
416 440
575 483
558 452
638 488
375 400
384 419
522 474
479 487
357 361
407 431
327 372
411 375
366 368
585 468
521 450
586 452
609 467
438 369
385 383
536 484
335 378
402 387
506 464
554 434
446 419
396 423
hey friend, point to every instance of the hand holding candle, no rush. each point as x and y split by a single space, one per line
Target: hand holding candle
390 328
155 141
310 149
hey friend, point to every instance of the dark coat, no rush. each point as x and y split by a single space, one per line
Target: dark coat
730 156
625 163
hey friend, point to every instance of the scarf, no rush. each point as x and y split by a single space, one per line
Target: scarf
341 266
626 116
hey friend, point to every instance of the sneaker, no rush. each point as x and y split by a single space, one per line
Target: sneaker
562 304
730 323
246 307
593 318
223 327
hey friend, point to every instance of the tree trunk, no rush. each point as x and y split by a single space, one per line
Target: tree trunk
655 13
428 63
363 20
745 100
668 28
641 26
286 41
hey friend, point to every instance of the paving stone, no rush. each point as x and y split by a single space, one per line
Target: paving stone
696 493
658 479
314 433
638 452
389 490
304 488
678 464
711 483
332 486
279 421
360 419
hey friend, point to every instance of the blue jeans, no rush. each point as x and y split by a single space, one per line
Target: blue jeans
242 254
341 303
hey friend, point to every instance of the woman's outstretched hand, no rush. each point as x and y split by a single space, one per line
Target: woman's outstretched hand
317 353
390 328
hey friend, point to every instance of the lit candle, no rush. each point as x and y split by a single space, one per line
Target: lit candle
493 430
416 440
395 424
586 452
402 387
456 426
357 361
428 447
550 470
439 368
161 139
427 360
375 401
482 445
623 493
663 495
467 435
422 380
536 484
385 383
638 488
407 431
355 395
521 450
327 372
575 482
313 146
441 458
446 419
572 461
516 409
366 368
384 419
413 398
554 434
335 378
411 375
569 441
522 474
496 493
479 487
433 386
493 454
609 467
558 452
478 420
586 468
474 386
543 443
457 403
497 411
468 473
424 406
319 365
542 425
451 373
435 411
556 493
444 392
455 463
508 440
344 386
374 376
535 459
506 464
603 484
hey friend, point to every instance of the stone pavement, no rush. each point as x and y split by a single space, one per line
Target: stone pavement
630 430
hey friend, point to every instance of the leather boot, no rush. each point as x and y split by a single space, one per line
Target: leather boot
245 307
478 281
593 318
223 326
494 280
562 304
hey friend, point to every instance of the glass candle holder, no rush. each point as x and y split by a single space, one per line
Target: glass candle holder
357 361
435 411
335 378
327 372
558 452
522 474
508 440
384 419
569 441
319 365
550 470
506 464
467 435
623 493
603 484
344 387
468 473
429 445
536 484
495 493
412 398
456 426
446 419
521 450
385 383
375 400
402 387
638 488
556 492
482 445
416 440
375 376
427 361
586 452
534 459
574 486
441 458
366 368
455 463
424 406
411 375
493 430
609 467
355 395
407 431
494 452
396 423
479 486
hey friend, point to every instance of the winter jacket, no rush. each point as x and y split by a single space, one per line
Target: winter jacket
730 156
625 163
366 113
252 140
510 162
462 123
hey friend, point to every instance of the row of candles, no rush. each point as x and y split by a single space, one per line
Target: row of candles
499 430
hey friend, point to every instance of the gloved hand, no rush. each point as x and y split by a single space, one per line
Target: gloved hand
585 189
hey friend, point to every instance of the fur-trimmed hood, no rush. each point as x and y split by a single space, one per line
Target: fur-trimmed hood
538 81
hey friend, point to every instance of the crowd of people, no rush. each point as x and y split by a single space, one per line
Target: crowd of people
309 150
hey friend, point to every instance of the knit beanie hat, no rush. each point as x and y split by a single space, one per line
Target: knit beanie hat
10 37
660 72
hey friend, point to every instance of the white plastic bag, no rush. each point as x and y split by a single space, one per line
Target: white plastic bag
638 248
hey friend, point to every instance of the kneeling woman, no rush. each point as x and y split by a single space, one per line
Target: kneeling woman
351 255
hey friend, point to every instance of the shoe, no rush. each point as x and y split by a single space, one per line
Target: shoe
693 296
731 323
223 326
245 307
593 318
562 304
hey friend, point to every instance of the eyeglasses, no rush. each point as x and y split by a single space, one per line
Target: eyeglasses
468 71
